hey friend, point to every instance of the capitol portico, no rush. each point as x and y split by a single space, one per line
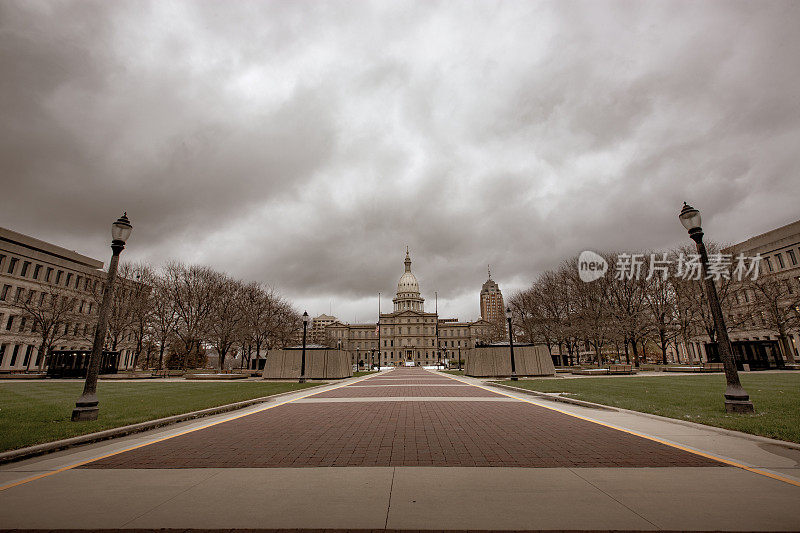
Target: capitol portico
408 334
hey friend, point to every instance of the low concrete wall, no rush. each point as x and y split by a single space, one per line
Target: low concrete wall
489 361
320 364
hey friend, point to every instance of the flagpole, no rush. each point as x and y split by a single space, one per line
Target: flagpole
379 331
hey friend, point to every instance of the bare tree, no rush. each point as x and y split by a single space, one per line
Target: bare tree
226 318
775 303
191 291
629 311
49 313
259 305
164 316
660 296
142 307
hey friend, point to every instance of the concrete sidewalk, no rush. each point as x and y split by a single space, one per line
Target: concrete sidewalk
715 497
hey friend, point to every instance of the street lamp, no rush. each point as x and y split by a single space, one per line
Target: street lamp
357 356
511 345
736 398
86 408
459 358
303 357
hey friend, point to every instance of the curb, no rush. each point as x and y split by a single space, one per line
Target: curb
49 447
555 397
688 423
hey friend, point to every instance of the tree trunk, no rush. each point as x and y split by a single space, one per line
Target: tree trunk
222 355
598 351
161 355
42 352
627 355
635 353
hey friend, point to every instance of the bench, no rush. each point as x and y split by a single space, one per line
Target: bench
621 369
683 369
590 371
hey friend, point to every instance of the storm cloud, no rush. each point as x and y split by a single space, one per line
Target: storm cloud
306 144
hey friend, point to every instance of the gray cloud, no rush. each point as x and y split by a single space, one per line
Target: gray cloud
306 144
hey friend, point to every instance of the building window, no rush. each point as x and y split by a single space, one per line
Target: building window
48 275
769 264
779 257
36 270
61 273
69 279
2 258
2 353
12 265
14 355
27 356
19 294
22 324
792 257
4 292
25 266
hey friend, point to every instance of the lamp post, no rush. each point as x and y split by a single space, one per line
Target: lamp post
303 356
511 345
736 398
86 408
357 356
459 358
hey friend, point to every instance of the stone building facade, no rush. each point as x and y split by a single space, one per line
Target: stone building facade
408 334
753 341
33 270
492 306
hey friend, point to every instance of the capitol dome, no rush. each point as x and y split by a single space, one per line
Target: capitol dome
408 283
408 297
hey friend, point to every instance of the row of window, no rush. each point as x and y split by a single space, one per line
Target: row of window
19 355
34 271
21 324
744 295
779 261
428 354
389 343
38 298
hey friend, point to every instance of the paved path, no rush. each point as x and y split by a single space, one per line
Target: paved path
407 449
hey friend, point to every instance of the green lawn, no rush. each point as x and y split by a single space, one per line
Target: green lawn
454 372
364 373
695 398
33 413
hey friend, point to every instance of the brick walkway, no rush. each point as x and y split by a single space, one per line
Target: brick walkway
405 432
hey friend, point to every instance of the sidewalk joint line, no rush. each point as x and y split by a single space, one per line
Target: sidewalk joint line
216 473
389 506
573 470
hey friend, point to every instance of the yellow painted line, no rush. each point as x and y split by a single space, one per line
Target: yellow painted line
642 435
161 439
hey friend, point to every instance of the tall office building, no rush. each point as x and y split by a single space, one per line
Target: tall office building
492 307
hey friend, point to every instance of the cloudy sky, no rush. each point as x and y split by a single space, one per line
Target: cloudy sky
306 144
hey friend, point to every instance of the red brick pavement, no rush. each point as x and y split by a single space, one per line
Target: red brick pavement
407 391
404 433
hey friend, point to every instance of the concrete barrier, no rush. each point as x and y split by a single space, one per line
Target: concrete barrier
495 360
321 363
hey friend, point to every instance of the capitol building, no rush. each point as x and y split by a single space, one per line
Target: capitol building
407 335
